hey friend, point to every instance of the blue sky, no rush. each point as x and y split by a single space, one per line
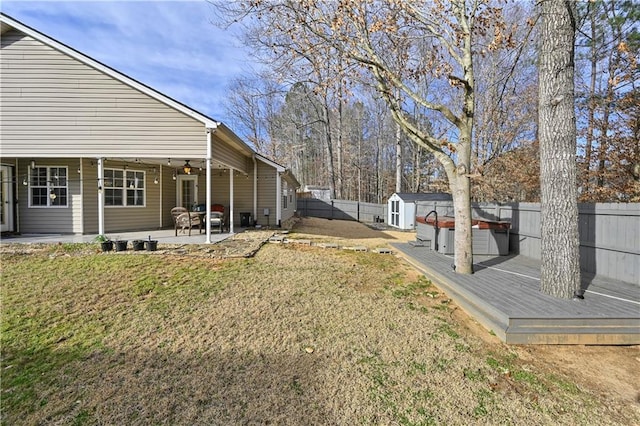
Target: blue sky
172 46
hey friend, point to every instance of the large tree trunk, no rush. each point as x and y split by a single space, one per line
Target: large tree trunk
560 273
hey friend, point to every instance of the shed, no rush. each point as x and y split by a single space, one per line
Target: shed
402 207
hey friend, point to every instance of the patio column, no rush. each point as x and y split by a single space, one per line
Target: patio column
100 196
208 197
231 201
255 189
278 198
161 203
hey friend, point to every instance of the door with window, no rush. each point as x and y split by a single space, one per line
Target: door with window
6 199
395 213
187 191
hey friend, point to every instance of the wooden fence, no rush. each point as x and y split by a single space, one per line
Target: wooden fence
609 232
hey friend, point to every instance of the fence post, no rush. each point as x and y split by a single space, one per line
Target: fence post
331 218
358 213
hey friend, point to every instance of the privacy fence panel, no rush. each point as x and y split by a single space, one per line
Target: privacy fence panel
342 209
609 233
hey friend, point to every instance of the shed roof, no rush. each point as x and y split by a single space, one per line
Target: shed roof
427 196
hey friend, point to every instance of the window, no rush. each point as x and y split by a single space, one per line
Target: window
123 188
48 187
284 202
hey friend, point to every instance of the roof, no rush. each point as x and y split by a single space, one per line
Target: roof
430 196
7 23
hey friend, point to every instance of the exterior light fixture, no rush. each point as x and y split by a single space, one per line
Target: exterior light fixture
24 181
155 180
52 195
174 177
187 167
33 164
169 162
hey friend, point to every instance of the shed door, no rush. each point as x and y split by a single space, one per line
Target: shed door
6 199
395 213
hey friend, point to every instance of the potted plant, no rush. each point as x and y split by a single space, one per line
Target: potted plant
152 245
121 245
105 242
138 245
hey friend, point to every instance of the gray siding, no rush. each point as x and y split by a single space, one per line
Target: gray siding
169 189
266 194
225 154
53 105
52 220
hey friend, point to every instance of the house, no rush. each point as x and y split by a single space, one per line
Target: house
402 207
86 149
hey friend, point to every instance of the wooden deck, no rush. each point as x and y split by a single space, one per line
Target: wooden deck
503 295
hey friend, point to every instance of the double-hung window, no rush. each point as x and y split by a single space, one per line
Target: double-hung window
48 187
124 188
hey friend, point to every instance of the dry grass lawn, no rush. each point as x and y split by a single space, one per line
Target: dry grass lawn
296 335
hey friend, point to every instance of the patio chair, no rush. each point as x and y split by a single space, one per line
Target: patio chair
184 219
217 217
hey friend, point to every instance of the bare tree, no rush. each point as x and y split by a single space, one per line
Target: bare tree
560 272
386 41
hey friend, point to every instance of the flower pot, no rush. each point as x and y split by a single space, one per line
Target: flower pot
152 245
121 245
107 245
138 245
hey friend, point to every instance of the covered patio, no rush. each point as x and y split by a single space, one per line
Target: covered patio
163 236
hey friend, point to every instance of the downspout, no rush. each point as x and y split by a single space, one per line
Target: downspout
208 197
278 199
255 189
100 196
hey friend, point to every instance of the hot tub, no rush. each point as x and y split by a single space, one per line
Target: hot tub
489 237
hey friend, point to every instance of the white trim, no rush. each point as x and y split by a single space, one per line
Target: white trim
125 188
179 180
80 175
100 196
231 201
255 189
8 197
208 122
278 199
160 184
30 204
209 196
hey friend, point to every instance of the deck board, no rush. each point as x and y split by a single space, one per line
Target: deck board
503 294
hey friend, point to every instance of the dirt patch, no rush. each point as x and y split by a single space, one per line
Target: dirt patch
347 233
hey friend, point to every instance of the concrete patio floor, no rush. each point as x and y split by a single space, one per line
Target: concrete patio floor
161 235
